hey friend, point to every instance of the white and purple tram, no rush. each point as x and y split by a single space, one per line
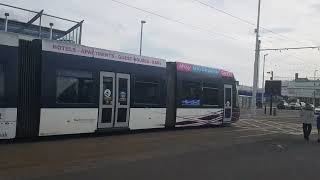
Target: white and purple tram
59 88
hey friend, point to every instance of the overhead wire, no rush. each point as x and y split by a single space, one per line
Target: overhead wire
203 29
178 21
190 25
244 20
273 63
291 48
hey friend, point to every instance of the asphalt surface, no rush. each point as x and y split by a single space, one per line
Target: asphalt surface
254 148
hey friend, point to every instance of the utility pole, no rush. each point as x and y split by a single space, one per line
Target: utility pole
264 64
256 64
314 88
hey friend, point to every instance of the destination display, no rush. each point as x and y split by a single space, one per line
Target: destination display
79 50
184 67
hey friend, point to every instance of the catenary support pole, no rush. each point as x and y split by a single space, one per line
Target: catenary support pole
256 65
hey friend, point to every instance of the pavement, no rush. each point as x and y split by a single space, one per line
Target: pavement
260 148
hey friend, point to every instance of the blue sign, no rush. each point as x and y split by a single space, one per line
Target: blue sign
207 70
195 102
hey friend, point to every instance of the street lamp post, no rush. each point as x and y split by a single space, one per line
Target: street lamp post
271 73
264 63
6 22
142 22
271 95
314 88
51 30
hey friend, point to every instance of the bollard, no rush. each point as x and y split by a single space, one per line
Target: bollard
274 111
265 109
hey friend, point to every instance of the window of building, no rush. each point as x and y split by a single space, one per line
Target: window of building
191 93
210 96
1 82
147 93
74 87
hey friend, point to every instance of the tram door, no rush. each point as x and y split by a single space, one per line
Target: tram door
114 103
227 103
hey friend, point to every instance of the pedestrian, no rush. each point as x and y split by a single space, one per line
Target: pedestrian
318 127
307 116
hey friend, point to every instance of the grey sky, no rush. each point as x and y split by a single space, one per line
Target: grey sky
113 26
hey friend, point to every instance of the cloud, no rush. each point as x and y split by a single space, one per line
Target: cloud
113 26
316 7
280 30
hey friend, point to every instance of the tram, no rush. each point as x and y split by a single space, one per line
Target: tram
50 87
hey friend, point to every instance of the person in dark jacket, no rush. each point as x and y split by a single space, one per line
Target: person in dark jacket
318 126
307 115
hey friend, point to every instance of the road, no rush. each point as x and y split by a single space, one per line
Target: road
262 148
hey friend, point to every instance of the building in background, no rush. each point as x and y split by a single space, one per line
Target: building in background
303 89
299 89
245 96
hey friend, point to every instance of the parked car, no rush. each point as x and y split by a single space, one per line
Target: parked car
283 105
317 110
295 106
302 104
312 106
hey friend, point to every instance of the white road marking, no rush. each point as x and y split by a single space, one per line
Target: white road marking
280 146
256 135
257 127
297 129
247 129
269 126
285 125
272 126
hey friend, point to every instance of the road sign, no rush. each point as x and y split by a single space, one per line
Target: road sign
273 87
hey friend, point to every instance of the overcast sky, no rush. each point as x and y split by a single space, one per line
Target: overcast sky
211 38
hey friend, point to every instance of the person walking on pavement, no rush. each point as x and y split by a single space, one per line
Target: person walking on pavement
318 127
307 116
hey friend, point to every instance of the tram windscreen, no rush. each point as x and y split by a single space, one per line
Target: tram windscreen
1 82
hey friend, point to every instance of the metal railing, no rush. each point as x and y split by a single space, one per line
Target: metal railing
73 34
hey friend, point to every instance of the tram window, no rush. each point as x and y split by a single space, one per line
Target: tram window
210 96
209 85
74 87
191 93
1 82
147 93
